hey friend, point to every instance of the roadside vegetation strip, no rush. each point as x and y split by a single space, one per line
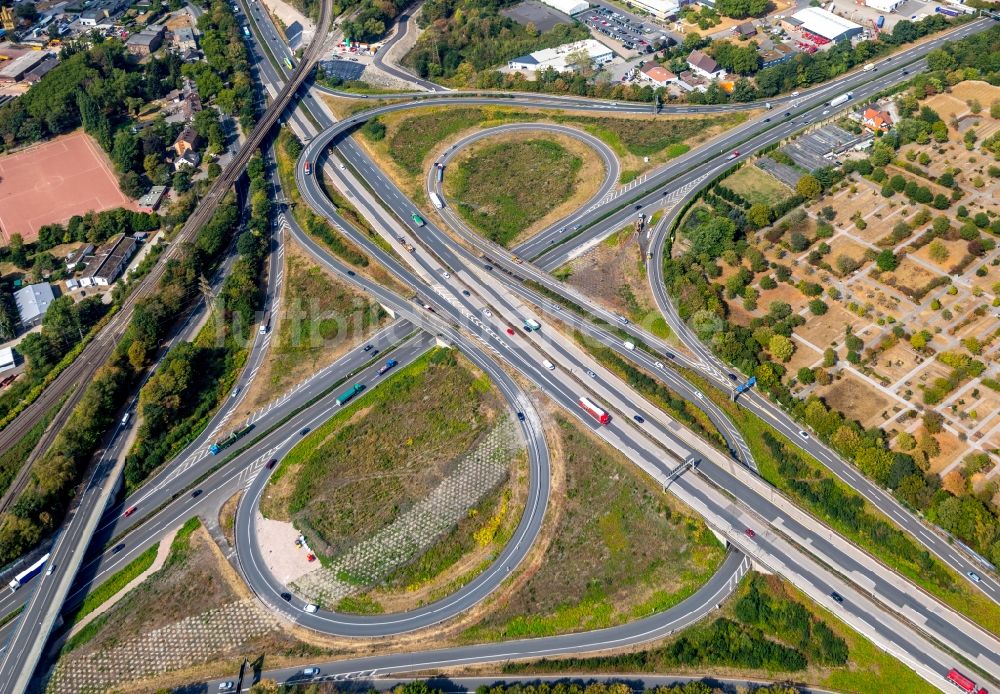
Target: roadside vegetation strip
805 480
113 585
504 187
287 150
12 459
619 550
374 459
766 630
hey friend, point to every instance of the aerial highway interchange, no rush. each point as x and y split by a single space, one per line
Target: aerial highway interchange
468 291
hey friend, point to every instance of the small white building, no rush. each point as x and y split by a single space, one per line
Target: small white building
570 7
7 359
661 9
884 5
704 65
558 58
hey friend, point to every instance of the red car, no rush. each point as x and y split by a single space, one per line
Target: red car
271 463
510 331
311 557
129 512
750 533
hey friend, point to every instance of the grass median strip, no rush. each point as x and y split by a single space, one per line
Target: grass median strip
114 584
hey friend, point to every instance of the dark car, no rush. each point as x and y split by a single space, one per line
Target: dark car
520 416
271 463
465 292
118 548
639 418
750 533
671 355
732 377
368 348
837 596
196 493
351 273
287 597
305 430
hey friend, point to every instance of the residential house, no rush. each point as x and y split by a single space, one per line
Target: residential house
704 65
189 160
187 141
876 121
657 74
745 30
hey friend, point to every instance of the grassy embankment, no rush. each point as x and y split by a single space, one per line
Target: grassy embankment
618 550
538 175
405 141
320 318
373 460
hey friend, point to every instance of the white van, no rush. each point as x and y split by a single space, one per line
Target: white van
128 415
548 365
629 345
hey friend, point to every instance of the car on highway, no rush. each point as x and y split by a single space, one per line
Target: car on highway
351 273
837 596
591 373
118 548
196 493
305 430
287 597
671 355
734 154
367 348
520 416
974 576
307 168
750 533
311 608
465 292
804 435
311 671
698 395
227 686
732 376
488 313
621 319
129 511
271 463
658 364
639 418
236 391
444 273
510 331
50 569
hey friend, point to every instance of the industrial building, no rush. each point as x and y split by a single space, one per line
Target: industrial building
18 68
32 303
110 261
570 7
818 22
7 359
152 199
557 58
146 41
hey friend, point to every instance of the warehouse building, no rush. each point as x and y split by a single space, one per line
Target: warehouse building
819 22
32 303
560 57
18 68
570 7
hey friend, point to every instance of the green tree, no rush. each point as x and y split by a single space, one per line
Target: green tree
759 214
781 348
818 307
809 187
886 261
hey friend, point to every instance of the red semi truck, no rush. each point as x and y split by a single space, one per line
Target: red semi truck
964 683
595 411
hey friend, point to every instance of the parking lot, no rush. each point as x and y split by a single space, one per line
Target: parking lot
632 33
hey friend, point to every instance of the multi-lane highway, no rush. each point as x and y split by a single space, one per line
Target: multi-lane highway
471 308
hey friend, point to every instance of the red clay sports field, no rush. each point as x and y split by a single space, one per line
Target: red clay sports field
52 181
